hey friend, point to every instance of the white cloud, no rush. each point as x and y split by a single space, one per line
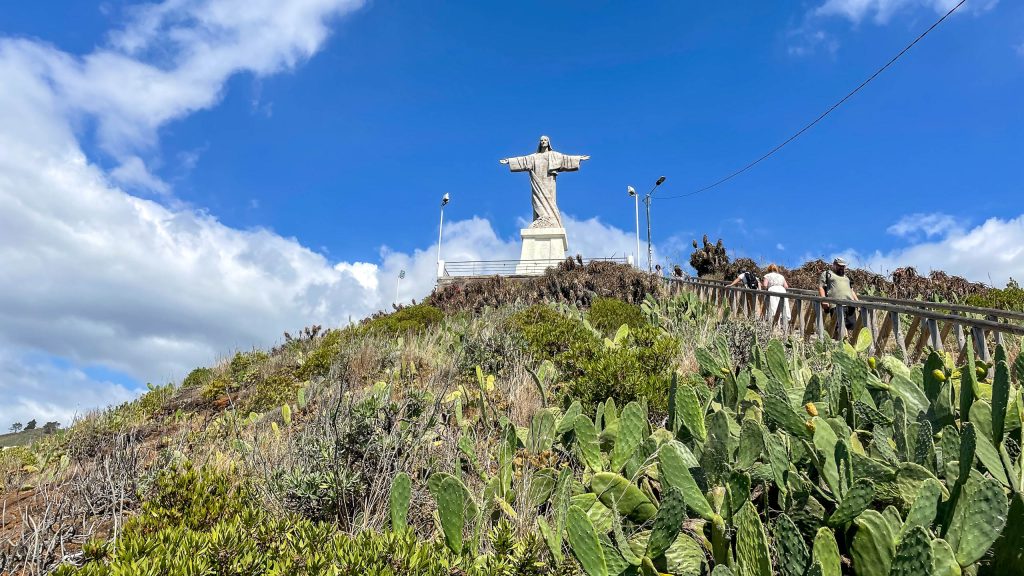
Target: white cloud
881 11
132 173
810 37
780 247
807 40
929 225
990 252
34 388
594 239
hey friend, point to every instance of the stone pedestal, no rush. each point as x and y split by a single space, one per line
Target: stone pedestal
542 249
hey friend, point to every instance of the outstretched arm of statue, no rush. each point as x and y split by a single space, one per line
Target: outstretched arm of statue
518 163
584 157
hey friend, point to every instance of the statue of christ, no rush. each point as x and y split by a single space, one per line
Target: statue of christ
544 166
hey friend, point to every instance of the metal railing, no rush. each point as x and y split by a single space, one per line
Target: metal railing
486 268
893 323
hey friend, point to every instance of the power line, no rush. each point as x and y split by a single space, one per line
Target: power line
823 114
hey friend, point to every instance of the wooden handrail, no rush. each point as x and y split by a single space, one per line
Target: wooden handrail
880 317
874 305
1007 314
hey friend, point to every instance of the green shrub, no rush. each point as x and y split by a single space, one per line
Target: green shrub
318 362
272 392
189 497
153 400
245 363
197 521
408 319
217 387
16 458
550 334
198 378
608 314
1009 298
638 368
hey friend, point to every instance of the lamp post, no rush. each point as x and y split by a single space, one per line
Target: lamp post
398 285
444 200
636 203
647 203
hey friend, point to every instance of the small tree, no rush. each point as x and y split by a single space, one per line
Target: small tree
51 427
31 425
16 427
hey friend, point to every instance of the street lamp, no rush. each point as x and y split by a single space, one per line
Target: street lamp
398 285
636 202
444 200
647 203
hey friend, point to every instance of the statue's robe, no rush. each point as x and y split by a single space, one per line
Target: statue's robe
544 168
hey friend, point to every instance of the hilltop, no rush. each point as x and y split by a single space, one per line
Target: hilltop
579 422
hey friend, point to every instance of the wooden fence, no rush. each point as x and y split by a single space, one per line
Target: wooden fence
908 325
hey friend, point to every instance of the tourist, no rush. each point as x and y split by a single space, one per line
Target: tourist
748 280
834 283
775 282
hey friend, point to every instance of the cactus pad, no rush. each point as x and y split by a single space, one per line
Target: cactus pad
751 543
914 554
874 545
584 542
401 492
857 499
587 443
790 547
825 553
978 519
675 473
667 523
632 426
451 507
621 495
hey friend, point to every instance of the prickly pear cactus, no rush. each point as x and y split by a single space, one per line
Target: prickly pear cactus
978 520
588 444
585 544
914 554
791 550
675 473
874 545
825 553
452 508
401 493
632 425
857 499
621 495
667 523
751 543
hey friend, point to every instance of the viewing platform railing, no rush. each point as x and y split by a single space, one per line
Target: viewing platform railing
908 325
515 268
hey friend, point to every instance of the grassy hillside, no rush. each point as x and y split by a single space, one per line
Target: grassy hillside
581 423
22 438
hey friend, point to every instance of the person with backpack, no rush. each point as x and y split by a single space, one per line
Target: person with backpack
748 279
834 283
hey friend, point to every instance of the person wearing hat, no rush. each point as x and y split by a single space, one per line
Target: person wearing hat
834 283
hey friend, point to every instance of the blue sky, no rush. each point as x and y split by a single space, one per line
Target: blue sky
192 177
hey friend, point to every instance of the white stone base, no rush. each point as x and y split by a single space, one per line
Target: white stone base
542 249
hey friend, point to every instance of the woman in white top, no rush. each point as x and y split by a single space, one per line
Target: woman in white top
775 282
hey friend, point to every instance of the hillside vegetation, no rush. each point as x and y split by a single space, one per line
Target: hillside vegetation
580 423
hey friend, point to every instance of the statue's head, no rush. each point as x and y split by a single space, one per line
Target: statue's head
544 145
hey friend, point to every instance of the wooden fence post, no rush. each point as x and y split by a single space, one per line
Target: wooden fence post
933 334
819 322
